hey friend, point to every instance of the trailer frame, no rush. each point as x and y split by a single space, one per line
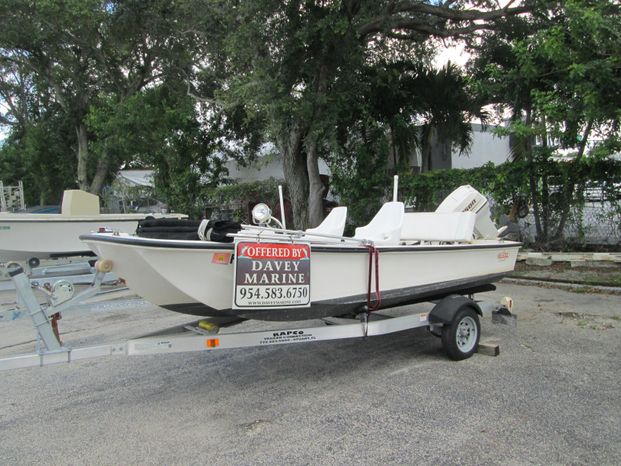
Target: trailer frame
205 335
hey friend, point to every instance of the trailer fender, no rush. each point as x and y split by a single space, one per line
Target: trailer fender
445 310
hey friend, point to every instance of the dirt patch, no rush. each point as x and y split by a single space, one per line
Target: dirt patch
588 321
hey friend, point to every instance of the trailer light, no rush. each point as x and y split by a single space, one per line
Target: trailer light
212 343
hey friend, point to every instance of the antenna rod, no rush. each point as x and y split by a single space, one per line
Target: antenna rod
282 207
395 188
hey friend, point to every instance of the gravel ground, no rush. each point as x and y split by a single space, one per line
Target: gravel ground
551 397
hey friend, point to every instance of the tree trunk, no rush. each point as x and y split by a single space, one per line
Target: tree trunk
296 175
315 188
82 156
526 149
569 188
393 147
425 150
100 175
545 190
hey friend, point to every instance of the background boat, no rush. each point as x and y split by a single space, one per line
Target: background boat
31 237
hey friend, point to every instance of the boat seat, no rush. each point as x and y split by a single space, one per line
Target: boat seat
385 228
333 224
436 226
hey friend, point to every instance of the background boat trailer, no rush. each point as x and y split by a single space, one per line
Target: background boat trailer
454 318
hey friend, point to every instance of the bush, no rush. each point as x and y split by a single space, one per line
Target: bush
509 189
235 201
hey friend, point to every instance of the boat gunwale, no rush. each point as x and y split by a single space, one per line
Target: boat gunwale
210 245
58 218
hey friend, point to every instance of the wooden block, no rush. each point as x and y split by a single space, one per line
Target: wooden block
489 349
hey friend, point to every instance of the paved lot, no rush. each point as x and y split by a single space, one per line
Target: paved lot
553 396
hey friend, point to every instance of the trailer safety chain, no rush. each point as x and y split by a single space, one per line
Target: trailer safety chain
373 257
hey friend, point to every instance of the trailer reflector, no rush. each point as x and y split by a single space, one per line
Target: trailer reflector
212 343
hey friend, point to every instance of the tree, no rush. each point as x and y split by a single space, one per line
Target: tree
393 109
560 76
82 54
35 148
289 60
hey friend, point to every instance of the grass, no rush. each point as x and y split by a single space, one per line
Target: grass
563 272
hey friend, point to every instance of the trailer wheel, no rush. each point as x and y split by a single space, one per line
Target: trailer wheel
460 339
34 262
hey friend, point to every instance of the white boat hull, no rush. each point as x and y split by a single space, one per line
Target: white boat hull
339 274
130 266
44 236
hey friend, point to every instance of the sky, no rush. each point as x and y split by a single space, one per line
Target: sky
454 53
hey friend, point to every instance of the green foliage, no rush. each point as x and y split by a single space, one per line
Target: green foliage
239 198
425 191
389 115
40 157
169 85
359 174
558 74
318 71
561 67
86 60
508 186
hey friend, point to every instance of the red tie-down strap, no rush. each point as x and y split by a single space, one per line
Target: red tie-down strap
374 257
55 318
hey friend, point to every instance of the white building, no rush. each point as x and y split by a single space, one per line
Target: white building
486 147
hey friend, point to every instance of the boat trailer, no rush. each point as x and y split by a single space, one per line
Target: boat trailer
454 318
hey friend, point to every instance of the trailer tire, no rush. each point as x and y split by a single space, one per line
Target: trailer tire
34 262
460 339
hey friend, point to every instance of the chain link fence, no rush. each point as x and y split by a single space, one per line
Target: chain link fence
596 223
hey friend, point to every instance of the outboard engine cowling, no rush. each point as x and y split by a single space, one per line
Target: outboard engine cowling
467 199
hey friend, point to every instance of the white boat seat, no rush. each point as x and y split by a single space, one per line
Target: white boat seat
385 228
436 226
333 225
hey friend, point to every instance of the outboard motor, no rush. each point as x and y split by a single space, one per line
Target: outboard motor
467 199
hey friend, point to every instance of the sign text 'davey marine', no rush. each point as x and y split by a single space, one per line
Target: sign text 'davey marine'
274 273
272 264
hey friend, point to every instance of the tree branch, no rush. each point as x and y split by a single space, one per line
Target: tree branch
5 121
417 16
453 14
13 110
198 98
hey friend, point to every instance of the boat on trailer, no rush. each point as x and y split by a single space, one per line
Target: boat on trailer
32 237
278 274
